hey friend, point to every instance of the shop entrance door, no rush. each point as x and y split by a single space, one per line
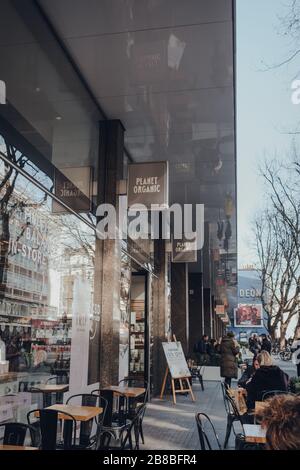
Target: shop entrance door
139 337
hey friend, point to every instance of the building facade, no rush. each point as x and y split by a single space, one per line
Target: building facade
90 92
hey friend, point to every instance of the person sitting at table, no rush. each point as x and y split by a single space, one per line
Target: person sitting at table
268 377
281 419
248 373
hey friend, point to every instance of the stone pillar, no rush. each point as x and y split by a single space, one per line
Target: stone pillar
195 309
179 303
160 315
207 292
207 312
110 172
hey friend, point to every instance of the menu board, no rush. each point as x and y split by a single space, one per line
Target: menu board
176 360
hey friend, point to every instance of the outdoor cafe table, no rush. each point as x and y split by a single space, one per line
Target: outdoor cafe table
128 392
47 389
254 433
10 447
79 413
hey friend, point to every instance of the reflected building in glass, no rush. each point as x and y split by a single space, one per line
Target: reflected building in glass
89 92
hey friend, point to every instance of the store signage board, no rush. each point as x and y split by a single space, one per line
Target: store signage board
73 187
176 360
148 184
184 251
178 369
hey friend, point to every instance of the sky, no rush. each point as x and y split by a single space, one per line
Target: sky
265 112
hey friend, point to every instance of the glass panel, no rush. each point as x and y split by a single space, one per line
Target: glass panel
46 288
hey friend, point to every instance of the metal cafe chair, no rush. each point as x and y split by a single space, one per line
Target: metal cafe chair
122 434
48 425
139 404
197 373
86 439
233 415
203 422
271 393
240 441
15 434
114 427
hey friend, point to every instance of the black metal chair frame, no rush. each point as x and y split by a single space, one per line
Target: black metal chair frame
123 434
48 441
203 438
140 410
197 373
233 414
86 441
266 394
113 426
15 433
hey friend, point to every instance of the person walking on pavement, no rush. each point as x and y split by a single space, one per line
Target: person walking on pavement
295 348
265 344
228 363
254 345
203 349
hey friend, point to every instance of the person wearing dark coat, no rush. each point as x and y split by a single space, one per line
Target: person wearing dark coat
248 373
228 363
265 344
266 378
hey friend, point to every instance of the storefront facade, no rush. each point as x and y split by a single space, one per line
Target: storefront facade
73 305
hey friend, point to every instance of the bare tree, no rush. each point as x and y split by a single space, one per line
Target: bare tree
277 234
279 270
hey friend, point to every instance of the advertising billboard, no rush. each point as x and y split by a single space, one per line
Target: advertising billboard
248 315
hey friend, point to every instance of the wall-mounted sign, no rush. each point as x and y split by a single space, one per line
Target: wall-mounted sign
73 187
148 184
220 309
248 315
184 251
2 92
250 293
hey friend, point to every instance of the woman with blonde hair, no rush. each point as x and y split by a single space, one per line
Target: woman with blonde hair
267 378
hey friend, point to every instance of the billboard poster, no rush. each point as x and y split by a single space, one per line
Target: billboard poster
248 315
148 184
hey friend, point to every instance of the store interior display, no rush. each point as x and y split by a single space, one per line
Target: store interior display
137 326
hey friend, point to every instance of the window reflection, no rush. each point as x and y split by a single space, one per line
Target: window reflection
46 280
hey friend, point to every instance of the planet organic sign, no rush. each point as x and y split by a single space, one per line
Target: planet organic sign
148 184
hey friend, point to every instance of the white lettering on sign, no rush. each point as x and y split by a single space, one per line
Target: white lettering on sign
2 92
250 293
146 185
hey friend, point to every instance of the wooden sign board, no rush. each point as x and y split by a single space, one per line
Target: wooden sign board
178 369
176 360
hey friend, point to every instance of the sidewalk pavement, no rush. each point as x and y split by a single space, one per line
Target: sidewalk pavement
173 427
